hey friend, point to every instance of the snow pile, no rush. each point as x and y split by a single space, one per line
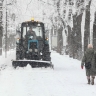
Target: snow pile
67 79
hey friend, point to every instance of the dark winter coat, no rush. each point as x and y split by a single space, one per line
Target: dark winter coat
31 33
27 37
89 56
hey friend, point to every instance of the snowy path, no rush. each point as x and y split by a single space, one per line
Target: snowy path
67 79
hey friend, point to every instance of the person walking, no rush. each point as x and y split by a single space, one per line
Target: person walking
90 64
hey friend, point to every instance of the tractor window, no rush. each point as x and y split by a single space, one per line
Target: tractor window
36 29
24 32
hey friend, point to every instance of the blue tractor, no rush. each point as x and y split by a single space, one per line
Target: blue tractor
30 50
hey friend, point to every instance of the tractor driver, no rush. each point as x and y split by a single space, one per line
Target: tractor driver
30 32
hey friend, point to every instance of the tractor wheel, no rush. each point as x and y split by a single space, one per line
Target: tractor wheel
46 53
17 56
46 48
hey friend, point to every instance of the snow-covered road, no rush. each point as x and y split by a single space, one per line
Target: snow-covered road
67 79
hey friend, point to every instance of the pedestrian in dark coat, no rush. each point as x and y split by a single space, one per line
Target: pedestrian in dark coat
90 64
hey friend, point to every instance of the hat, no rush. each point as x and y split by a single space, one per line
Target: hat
90 46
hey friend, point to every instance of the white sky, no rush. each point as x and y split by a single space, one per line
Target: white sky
33 8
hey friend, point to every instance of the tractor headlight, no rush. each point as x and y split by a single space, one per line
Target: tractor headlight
17 40
47 38
30 50
36 50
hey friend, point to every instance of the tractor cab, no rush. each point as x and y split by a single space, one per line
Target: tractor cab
36 27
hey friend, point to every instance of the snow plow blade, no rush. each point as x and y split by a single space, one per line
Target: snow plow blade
33 63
